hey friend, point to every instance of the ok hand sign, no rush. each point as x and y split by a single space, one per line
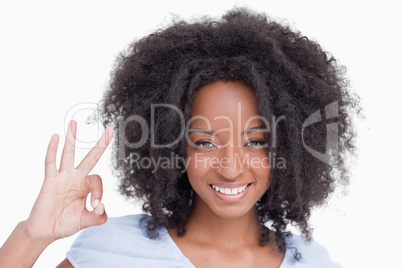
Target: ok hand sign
59 210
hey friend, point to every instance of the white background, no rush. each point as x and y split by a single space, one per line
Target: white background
54 56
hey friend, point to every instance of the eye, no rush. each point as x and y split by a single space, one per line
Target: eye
256 143
203 144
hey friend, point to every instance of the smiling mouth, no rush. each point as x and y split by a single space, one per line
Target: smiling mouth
230 191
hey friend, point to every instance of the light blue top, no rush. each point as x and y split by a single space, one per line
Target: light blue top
122 242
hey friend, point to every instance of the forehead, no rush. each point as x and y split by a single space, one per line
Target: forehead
230 100
224 97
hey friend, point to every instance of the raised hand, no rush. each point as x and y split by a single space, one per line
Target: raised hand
60 210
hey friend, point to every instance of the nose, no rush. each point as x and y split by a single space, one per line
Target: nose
232 163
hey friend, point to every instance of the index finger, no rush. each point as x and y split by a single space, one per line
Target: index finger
96 152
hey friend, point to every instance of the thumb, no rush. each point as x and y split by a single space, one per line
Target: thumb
93 218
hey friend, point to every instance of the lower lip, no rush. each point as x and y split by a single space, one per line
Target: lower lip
232 197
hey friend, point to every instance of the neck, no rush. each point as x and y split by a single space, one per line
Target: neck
206 226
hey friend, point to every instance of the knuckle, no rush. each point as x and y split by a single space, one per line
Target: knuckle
50 161
94 157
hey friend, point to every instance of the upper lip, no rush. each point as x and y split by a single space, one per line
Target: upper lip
230 185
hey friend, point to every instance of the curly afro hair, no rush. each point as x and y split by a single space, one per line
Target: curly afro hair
293 78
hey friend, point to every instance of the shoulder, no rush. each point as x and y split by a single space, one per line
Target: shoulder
123 242
312 254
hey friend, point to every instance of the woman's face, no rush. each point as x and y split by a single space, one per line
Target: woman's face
227 163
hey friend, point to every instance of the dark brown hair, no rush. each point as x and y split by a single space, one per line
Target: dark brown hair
293 78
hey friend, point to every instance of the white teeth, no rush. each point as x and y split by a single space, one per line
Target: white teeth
229 191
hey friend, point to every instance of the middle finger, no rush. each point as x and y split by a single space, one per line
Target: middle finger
67 158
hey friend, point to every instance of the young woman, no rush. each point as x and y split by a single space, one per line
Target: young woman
229 131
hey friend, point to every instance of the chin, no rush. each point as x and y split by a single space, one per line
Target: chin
231 213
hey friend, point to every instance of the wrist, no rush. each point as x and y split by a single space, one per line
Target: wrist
32 237
22 248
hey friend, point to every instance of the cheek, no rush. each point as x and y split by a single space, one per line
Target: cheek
198 163
260 166
196 167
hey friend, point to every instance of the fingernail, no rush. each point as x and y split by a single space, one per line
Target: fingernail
101 210
96 203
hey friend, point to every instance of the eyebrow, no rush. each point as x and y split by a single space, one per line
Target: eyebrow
253 129
207 131
202 130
